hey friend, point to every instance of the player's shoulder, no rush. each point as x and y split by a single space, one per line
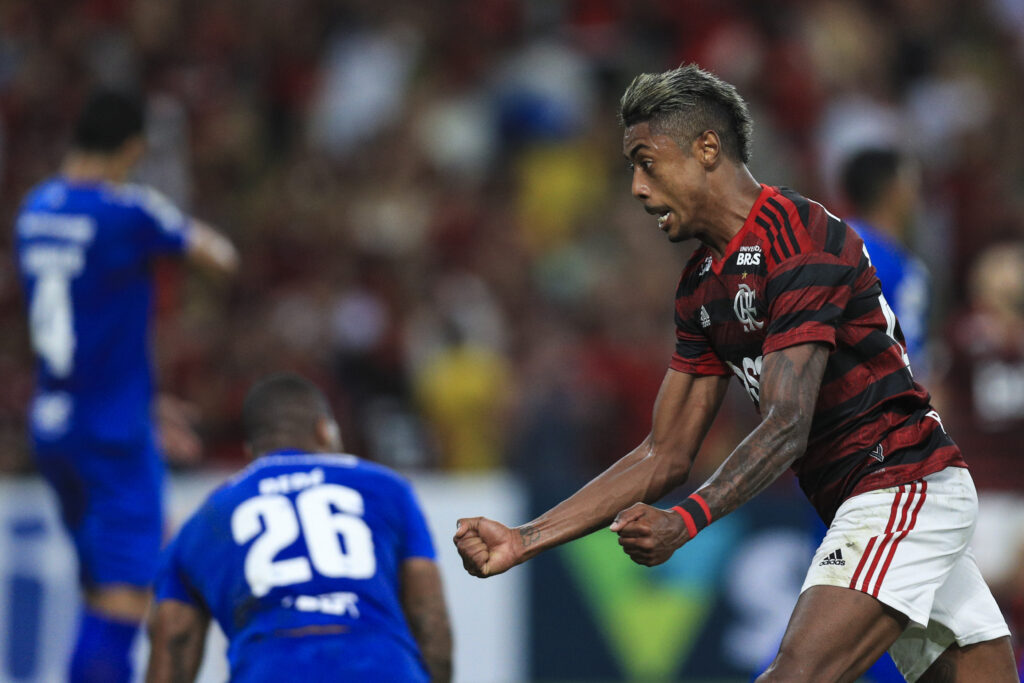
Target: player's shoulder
147 200
206 521
886 253
696 268
47 194
792 225
134 194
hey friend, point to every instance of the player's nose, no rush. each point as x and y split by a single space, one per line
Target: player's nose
640 188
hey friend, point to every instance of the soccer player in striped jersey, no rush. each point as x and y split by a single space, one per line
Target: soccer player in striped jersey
781 294
86 241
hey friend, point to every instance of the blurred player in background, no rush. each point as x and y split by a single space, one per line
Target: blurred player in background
985 385
781 294
881 188
317 566
86 241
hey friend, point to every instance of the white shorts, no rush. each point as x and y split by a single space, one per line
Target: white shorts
907 547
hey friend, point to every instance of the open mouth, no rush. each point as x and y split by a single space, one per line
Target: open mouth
662 214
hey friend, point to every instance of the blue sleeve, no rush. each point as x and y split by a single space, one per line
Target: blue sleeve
418 542
886 262
164 226
171 582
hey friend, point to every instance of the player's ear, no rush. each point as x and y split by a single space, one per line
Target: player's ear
707 148
328 434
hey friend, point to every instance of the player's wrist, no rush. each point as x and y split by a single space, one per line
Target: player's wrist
527 538
695 513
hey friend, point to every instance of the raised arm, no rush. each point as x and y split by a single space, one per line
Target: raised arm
790 381
210 249
177 635
425 610
683 412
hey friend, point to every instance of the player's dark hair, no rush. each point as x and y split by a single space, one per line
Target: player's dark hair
866 176
108 119
686 102
282 411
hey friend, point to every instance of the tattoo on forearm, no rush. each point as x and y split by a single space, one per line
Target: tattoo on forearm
761 457
529 535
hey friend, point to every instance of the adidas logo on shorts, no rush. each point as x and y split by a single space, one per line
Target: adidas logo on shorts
835 557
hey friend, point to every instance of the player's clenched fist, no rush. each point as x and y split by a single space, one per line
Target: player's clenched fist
649 535
487 547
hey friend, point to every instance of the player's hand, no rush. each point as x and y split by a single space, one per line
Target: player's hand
487 547
179 442
649 535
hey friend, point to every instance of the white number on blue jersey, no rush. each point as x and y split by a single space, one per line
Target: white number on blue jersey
325 529
51 323
328 516
51 315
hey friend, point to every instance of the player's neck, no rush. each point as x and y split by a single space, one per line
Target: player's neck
730 203
887 223
81 167
269 446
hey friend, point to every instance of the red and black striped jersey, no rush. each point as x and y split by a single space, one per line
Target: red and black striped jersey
796 274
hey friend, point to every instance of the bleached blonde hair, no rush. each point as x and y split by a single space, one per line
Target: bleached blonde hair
687 101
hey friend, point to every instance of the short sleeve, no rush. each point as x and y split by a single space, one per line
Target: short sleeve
164 226
171 582
418 542
693 354
807 295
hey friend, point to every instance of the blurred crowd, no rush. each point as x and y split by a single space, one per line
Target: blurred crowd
434 214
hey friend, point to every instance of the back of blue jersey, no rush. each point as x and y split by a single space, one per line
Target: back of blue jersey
304 549
84 253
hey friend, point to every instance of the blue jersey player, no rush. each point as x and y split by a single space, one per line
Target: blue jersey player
881 188
317 565
86 240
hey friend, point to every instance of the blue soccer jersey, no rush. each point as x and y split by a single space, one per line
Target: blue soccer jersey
905 286
298 559
84 255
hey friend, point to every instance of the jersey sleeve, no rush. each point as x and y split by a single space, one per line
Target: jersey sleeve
164 226
171 582
807 294
418 542
693 354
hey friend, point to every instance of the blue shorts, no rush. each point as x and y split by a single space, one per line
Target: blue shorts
111 501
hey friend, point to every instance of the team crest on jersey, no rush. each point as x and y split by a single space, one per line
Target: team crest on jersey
705 319
746 312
